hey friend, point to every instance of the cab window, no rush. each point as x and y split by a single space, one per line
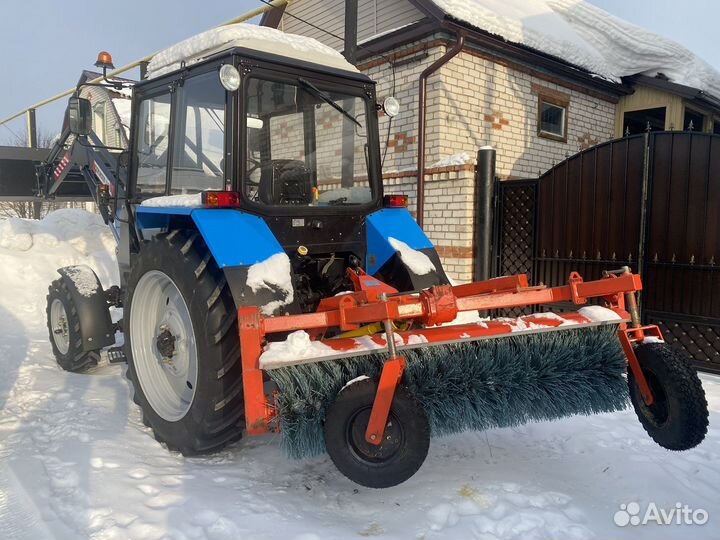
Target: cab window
199 136
306 145
152 145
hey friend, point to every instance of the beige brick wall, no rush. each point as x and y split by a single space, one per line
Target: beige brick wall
448 213
473 102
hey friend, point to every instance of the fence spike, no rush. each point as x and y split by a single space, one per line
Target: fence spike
712 261
674 259
614 258
692 259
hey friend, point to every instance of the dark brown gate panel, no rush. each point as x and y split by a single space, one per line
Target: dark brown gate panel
589 212
651 202
681 274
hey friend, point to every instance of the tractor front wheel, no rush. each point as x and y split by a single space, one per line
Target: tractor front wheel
66 336
678 416
404 446
182 345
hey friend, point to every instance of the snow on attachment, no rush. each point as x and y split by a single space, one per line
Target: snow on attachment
599 314
298 345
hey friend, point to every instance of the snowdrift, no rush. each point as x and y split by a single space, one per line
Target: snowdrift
31 251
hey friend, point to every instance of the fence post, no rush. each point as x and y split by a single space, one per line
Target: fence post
32 142
483 227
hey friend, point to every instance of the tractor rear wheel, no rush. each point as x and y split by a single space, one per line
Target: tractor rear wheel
678 417
182 345
405 443
65 333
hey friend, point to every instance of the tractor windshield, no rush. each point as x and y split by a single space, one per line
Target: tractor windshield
306 145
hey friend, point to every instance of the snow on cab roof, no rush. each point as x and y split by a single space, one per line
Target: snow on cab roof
588 37
258 38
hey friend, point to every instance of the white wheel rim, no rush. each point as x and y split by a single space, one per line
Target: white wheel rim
59 325
168 382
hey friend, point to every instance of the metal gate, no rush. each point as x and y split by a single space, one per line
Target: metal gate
651 202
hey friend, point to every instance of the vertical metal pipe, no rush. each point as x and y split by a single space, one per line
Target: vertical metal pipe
483 225
422 98
32 142
348 129
351 26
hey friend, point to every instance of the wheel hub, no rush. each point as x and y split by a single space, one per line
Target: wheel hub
164 352
392 438
60 327
165 343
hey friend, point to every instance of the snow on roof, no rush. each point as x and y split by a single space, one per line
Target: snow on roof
259 38
588 37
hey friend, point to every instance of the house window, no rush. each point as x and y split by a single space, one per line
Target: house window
635 122
694 121
552 118
716 127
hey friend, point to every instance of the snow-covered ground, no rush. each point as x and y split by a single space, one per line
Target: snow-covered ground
76 461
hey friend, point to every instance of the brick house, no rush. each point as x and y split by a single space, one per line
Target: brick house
535 102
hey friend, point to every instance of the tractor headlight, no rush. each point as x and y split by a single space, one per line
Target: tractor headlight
229 77
391 106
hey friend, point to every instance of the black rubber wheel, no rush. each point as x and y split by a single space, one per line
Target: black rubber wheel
407 437
678 418
64 329
215 413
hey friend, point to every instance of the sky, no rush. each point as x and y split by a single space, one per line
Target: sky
45 44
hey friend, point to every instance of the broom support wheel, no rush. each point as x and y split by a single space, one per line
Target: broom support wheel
405 443
677 417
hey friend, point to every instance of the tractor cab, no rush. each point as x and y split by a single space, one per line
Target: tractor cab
292 138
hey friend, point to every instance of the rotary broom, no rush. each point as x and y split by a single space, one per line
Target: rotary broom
371 375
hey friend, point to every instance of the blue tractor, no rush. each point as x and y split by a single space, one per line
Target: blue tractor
267 283
236 158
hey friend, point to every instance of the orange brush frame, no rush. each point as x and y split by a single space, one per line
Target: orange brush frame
374 301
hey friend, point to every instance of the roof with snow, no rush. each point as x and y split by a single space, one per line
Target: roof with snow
585 36
572 31
257 38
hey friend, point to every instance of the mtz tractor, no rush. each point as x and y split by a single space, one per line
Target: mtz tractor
267 284
240 157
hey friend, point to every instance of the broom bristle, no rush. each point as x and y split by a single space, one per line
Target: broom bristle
474 385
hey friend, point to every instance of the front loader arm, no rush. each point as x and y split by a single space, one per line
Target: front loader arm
105 180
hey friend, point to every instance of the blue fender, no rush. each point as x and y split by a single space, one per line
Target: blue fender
391 223
236 240
233 237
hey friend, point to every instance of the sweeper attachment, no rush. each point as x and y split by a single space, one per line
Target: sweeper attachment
371 375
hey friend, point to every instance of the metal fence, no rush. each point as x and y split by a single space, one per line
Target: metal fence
651 202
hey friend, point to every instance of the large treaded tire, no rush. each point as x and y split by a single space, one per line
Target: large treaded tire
75 359
678 420
394 462
215 417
